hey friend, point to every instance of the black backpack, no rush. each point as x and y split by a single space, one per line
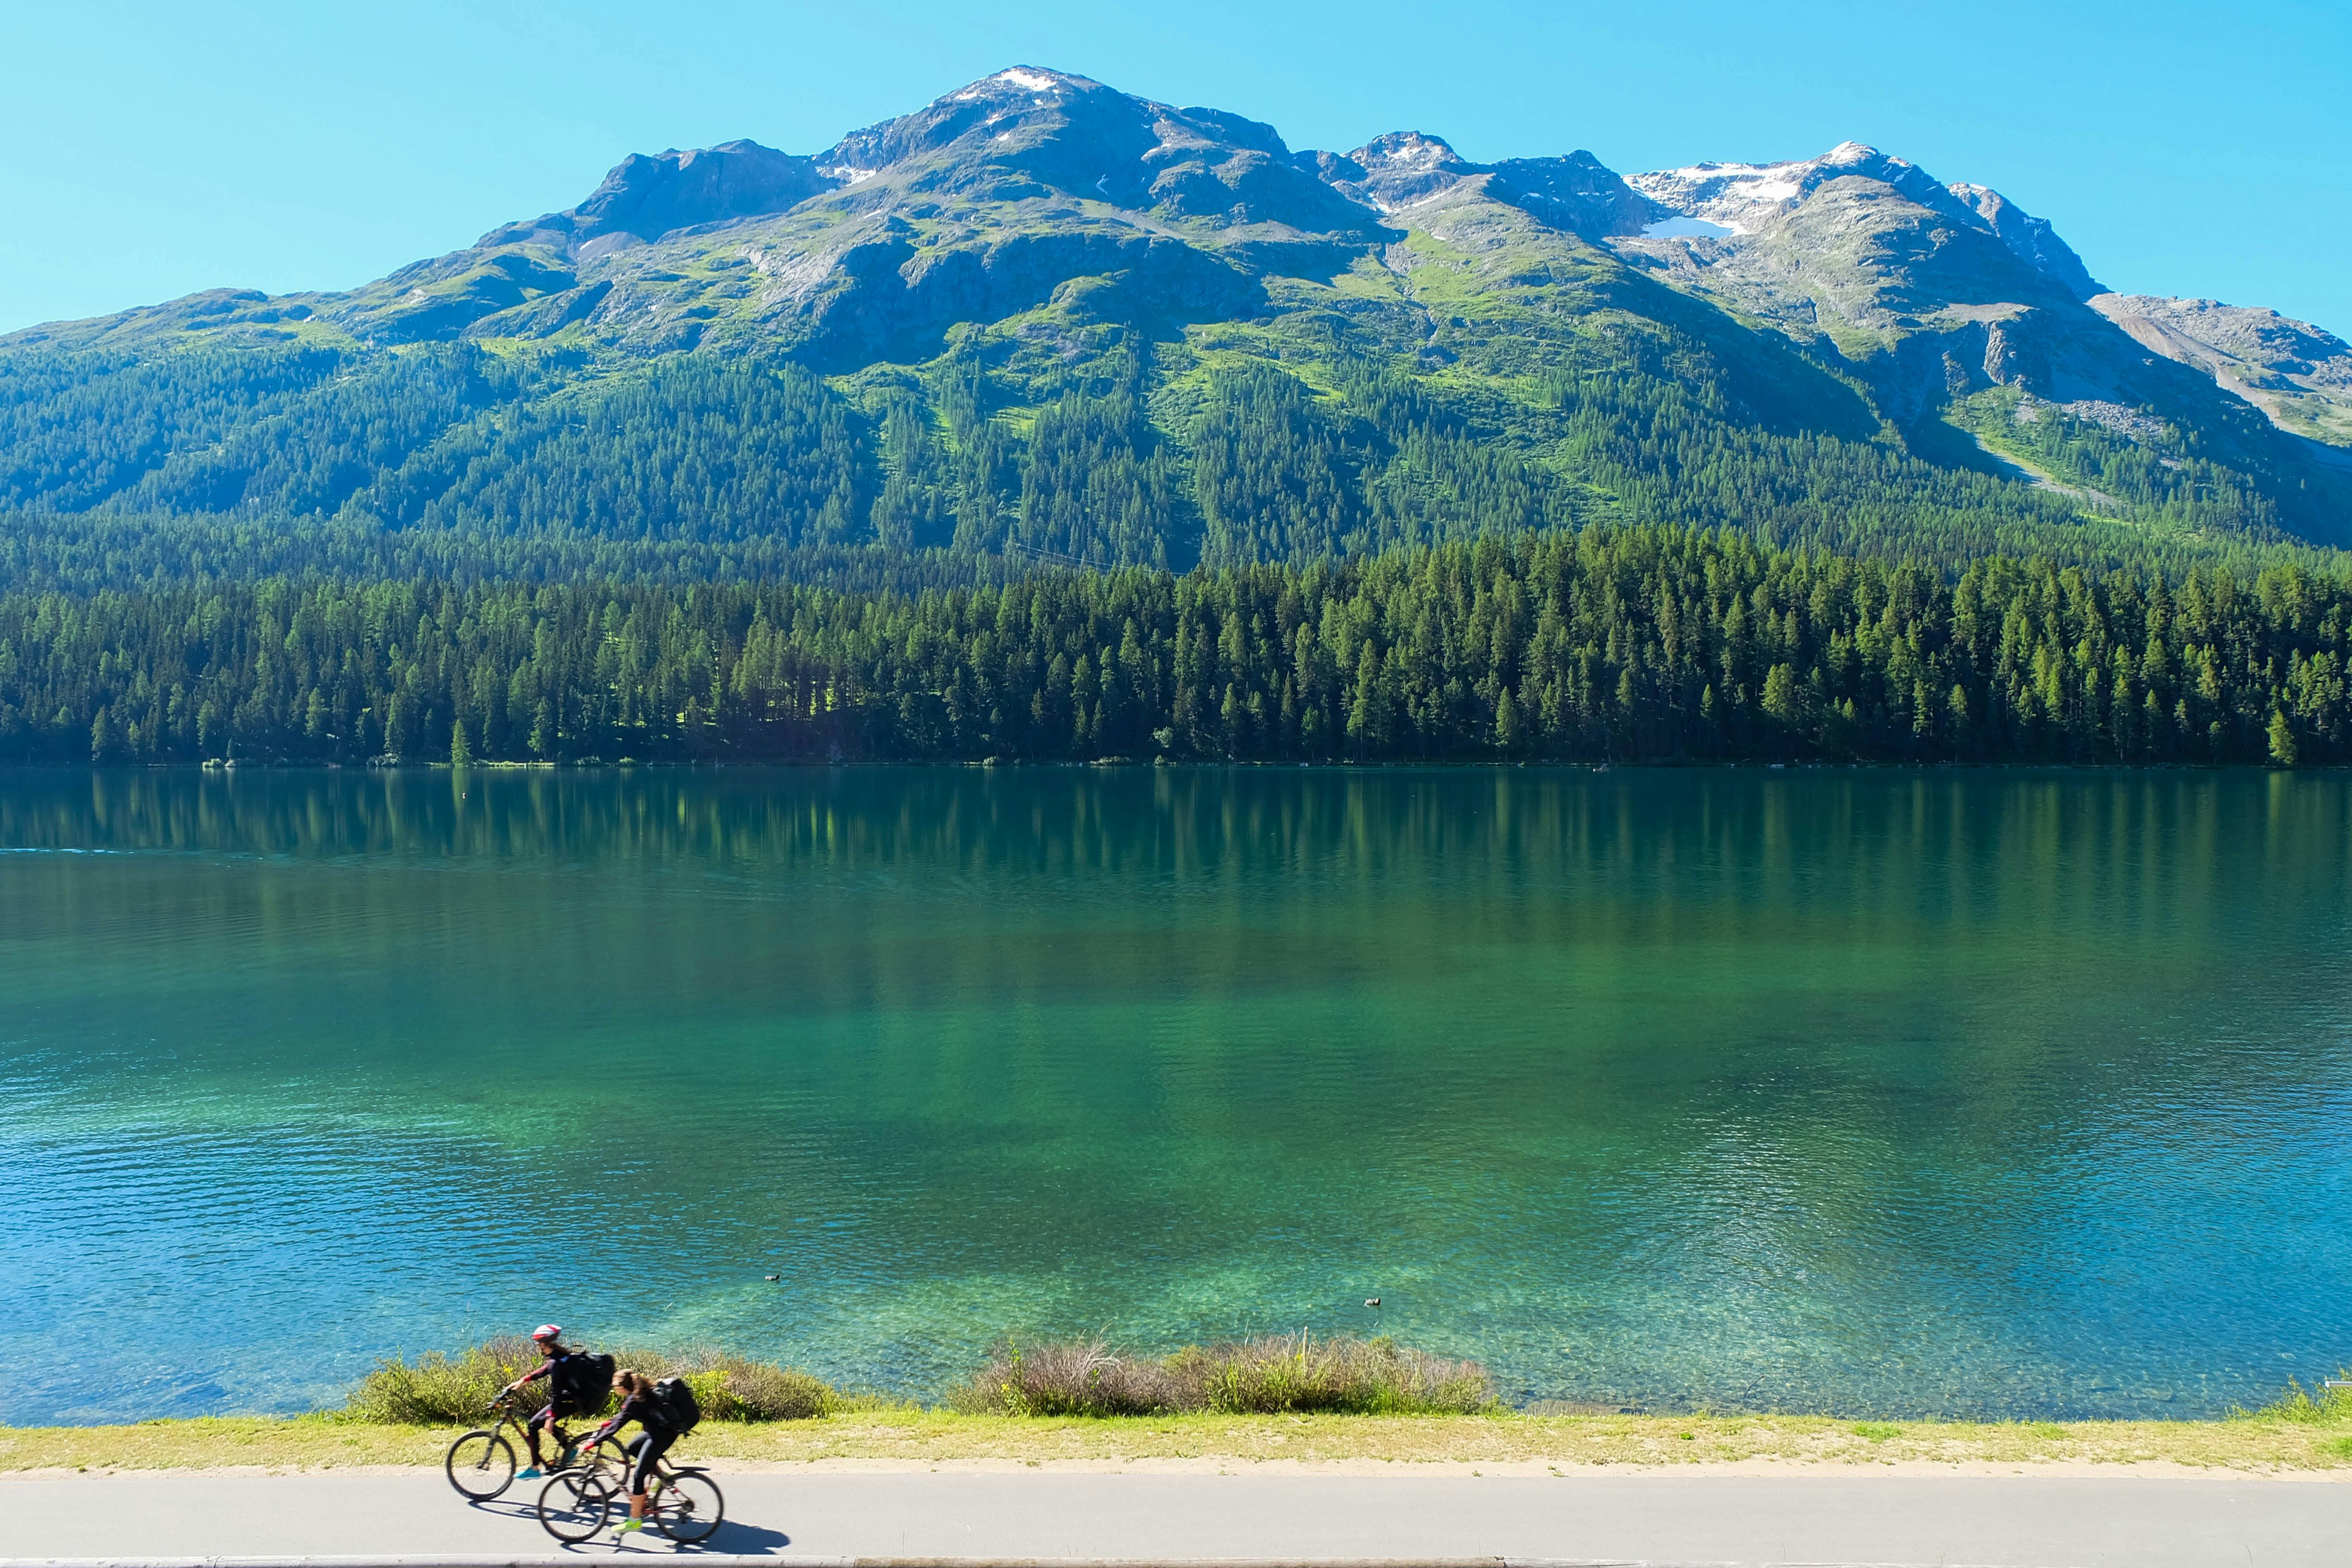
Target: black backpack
674 1397
583 1380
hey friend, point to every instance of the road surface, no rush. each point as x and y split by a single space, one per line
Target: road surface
1660 1518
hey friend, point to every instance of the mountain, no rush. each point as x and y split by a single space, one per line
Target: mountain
2297 374
1043 318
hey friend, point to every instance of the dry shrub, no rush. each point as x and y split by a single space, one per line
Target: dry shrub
1274 1372
1075 1377
1340 1375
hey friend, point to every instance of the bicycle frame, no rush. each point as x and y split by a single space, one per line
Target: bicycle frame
507 1405
610 1456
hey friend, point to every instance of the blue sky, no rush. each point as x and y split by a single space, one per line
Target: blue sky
147 151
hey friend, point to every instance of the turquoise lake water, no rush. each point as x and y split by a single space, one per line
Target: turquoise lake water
1873 1092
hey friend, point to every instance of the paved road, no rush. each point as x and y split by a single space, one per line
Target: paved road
1676 1518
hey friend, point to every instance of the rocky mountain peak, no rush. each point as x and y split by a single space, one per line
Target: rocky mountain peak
1405 168
2030 239
1396 170
1731 200
1009 112
646 196
1741 198
1401 151
1035 81
1031 132
1576 192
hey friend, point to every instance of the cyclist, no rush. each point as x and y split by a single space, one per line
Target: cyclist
645 1449
553 1355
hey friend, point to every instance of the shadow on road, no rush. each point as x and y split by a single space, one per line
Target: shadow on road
504 1508
746 1538
730 1538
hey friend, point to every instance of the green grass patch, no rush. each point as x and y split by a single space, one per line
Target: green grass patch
1291 1398
912 1437
2302 1407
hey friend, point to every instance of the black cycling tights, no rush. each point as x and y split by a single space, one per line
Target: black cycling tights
645 1448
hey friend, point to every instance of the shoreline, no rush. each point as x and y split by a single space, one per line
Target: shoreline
902 1440
1196 764
1434 1469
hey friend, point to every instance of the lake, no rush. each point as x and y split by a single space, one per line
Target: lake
1962 1094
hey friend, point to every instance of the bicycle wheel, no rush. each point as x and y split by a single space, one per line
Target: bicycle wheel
689 1507
574 1506
481 1464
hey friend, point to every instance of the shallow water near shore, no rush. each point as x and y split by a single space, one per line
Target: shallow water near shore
1963 1093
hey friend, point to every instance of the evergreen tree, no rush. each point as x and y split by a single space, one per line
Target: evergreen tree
1646 643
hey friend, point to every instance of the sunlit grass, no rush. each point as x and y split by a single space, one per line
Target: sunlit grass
1316 1403
2300 1406
917 1436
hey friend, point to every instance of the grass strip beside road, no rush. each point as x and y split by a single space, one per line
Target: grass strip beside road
915 1435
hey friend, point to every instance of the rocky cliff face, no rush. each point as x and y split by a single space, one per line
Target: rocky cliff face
2031 239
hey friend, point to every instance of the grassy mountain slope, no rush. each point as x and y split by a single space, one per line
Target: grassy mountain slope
1043 320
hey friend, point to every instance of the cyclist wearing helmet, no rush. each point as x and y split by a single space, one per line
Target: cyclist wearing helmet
553 1353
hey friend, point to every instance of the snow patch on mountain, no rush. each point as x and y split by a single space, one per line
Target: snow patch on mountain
1729 198
1679 227
1743 197
1022 78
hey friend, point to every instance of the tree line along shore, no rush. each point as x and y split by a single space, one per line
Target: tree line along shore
1646 644
1272 1398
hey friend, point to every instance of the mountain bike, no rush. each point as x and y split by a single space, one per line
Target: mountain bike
684 1504
481 1463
